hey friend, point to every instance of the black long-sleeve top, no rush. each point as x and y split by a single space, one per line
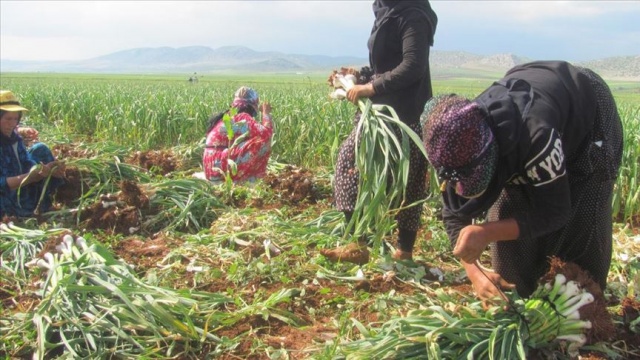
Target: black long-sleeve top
541 114
399 55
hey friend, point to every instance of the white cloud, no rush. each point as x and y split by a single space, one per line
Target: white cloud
85 29
528 12
73 30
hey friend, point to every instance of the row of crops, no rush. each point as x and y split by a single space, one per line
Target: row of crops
147 113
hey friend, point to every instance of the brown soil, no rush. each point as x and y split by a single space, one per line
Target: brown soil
383 284
145 253
68 151
354 253
276 334
117 213
18 300
309 330
51 243
629 312
161 162
294 186
76 184
25 299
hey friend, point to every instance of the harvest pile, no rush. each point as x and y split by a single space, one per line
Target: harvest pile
567 309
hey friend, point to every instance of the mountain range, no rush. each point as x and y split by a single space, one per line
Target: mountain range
230 59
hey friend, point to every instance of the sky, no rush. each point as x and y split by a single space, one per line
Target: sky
82 29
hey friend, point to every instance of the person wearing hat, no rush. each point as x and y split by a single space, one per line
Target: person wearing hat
537 153
244 157
16 163
401 36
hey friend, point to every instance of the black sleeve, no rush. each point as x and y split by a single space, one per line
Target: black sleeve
415 44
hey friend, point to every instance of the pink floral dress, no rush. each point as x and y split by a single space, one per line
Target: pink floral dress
250 148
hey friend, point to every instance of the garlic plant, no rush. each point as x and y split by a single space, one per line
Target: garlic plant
550 319
382 160
18 244
342 84
93 305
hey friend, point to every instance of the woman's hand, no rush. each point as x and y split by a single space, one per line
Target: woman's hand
487 283
490 285
360 91
55 168
472 241
28 134
265 107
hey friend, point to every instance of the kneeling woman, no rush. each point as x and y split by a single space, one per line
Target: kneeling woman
539 152
247 144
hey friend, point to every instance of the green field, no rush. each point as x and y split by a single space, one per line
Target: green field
234 272
143 112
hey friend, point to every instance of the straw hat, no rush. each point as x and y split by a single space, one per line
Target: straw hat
9 102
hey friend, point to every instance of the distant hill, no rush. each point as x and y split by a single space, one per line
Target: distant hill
231 59
190 59
617 67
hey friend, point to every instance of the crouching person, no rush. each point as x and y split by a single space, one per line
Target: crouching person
24 192
538 152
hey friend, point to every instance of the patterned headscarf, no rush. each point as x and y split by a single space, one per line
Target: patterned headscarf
246 96
460 144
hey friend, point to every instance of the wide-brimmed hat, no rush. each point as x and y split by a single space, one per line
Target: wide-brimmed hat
246 96
460 144
9 102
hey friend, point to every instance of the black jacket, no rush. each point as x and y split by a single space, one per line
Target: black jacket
542 114
399 56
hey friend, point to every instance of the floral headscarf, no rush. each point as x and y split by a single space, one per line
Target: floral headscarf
246 96
460 144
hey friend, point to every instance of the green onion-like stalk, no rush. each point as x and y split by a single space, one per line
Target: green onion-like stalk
97 307
382 161
549 319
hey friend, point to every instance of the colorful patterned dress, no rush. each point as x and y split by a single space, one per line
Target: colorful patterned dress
250 149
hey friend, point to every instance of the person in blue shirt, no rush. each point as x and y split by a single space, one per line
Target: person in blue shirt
24 192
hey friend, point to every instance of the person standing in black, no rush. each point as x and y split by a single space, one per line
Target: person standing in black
538 153
399 44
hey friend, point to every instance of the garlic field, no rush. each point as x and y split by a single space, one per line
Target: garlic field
139 259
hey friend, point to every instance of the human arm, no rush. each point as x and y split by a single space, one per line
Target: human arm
547 187
27 178
28 134
395 75
471 241
475 238
248 128
461 231
54 168
265 109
